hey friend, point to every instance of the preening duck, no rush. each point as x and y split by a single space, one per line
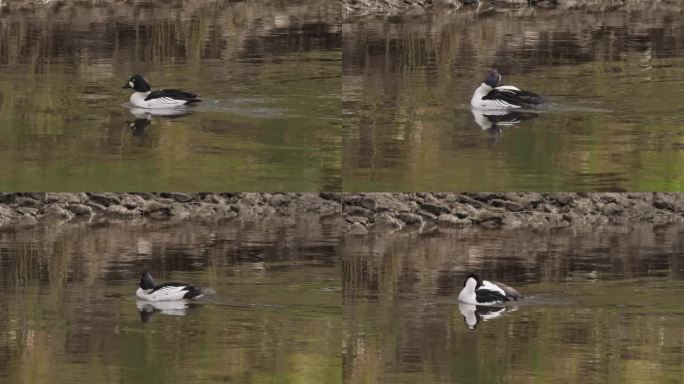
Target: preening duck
144 97
165 292
491 95
482 292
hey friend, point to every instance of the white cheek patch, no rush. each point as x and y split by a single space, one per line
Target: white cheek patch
131 83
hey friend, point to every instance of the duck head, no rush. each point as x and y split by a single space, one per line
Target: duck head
138 83
146 282
493 78
472 282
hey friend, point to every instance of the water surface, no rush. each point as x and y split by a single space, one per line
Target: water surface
68 312
612 121
603 306
268 71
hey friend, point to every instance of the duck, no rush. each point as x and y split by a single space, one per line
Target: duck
144 97
165 292
482 292
491 95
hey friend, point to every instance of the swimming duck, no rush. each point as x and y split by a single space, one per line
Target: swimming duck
482 292
165 292
491 95
144 97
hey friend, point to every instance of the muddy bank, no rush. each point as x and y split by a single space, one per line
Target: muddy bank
29 209
393 211
398 7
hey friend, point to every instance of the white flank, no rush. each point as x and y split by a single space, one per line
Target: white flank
138 100
163 294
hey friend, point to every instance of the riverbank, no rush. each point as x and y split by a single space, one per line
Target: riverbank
29 209
365 212
398 7
362 212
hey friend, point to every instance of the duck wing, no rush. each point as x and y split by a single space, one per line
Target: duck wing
193 292
174 94
174 289
486 295
515 96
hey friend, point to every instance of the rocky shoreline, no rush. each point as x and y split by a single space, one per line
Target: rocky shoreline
364 212
361 212
30 209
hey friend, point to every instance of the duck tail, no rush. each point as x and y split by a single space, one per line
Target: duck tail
511 292
193 292
531 98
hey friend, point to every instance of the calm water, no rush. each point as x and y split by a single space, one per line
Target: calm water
68 312
268 70
603 306
613 121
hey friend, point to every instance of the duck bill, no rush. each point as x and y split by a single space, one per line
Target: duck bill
126 86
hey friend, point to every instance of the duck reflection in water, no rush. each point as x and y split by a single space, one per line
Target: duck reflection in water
138 126
474 314
143 117
493 121
148 309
